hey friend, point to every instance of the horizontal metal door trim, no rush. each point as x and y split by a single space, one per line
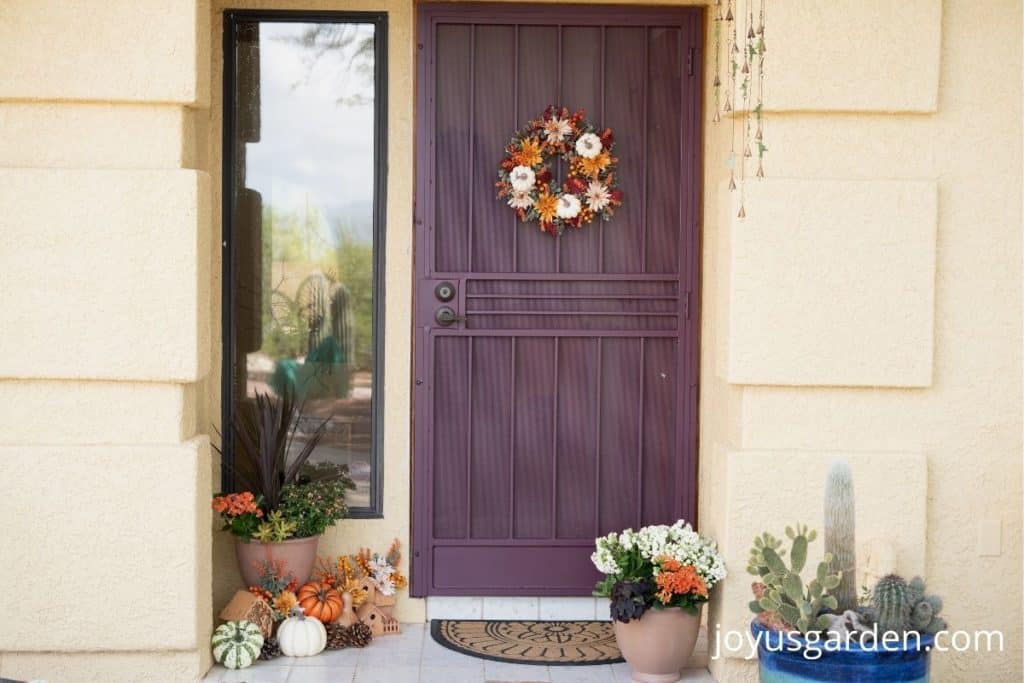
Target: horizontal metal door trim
589 334
571 277
616 297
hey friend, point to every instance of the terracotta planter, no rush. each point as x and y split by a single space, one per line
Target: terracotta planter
298 555
659 644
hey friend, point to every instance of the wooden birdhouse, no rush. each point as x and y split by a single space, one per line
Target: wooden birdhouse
380 623
246 606
369 588
386 603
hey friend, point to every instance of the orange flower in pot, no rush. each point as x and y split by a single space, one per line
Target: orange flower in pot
283 503
320 601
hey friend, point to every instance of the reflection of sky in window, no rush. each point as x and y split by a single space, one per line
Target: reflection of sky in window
315 150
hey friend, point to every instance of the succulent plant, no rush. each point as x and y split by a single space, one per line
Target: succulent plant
840 532
784 593
903 606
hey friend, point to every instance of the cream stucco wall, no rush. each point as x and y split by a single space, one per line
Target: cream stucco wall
109 264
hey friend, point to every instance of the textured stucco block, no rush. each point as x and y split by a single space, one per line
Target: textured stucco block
95 135
768 490
832 283
104 274
96 412
116 50
112 550
105 667
850 55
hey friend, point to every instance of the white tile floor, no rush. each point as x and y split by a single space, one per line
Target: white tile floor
414 657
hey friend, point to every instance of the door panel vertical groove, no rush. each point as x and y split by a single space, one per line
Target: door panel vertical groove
645 94
640 443
597 451
554 449
558 101
469 440
515 126
471 146
512 449
604 67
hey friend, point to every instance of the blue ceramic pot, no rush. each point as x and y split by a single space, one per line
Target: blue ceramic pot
785 658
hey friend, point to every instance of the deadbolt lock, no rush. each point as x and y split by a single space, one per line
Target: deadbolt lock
445 291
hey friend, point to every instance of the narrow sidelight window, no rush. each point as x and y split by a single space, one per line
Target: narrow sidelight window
304 182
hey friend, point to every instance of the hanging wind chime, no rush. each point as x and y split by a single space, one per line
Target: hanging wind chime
745 67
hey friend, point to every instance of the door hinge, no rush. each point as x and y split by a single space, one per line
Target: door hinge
686 306
689 61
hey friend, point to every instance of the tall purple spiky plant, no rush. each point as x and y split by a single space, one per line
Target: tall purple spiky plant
840 532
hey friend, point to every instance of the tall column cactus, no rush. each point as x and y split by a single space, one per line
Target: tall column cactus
840 532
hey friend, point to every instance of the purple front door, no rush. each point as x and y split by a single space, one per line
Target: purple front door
563 405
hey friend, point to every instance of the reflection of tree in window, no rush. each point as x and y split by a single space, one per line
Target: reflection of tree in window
350 48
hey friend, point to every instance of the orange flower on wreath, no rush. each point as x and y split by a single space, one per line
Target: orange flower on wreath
592 168
529 153
678 579
547 207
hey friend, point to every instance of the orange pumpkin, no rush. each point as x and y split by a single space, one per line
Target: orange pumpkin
320 602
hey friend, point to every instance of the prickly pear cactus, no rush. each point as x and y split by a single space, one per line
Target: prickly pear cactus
783 593
840 532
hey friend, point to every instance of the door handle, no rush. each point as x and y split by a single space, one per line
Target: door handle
446 316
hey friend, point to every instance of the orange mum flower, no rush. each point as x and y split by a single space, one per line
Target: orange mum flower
547 207
529 153
592 168
679 580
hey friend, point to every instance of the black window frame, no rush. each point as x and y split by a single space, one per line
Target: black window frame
228 294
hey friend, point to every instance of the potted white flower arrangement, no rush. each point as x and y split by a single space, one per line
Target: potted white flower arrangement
657 580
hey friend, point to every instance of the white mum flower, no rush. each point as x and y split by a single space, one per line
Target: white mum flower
556 130
597 196
522 178
568 206
588 146
520 199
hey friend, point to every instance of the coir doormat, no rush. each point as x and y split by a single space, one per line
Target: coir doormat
549 643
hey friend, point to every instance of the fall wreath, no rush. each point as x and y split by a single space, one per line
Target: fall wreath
588 191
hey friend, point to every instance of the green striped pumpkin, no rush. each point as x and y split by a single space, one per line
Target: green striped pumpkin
237 644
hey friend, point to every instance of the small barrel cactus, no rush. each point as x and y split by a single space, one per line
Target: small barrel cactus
892 604
904 606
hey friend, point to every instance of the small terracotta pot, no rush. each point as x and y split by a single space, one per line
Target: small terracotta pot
297 555
659 644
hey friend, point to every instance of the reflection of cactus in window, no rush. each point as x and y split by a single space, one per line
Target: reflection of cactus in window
324 308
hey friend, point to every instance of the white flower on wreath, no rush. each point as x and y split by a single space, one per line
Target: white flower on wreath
597 196
556 130
520 199
588 146
522 178
568 206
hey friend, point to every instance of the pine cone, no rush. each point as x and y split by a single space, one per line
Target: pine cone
356 635
359 634
270 650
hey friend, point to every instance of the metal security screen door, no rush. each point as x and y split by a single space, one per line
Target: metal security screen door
560 402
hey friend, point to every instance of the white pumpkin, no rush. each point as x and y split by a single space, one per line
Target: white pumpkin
237 644
301 637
